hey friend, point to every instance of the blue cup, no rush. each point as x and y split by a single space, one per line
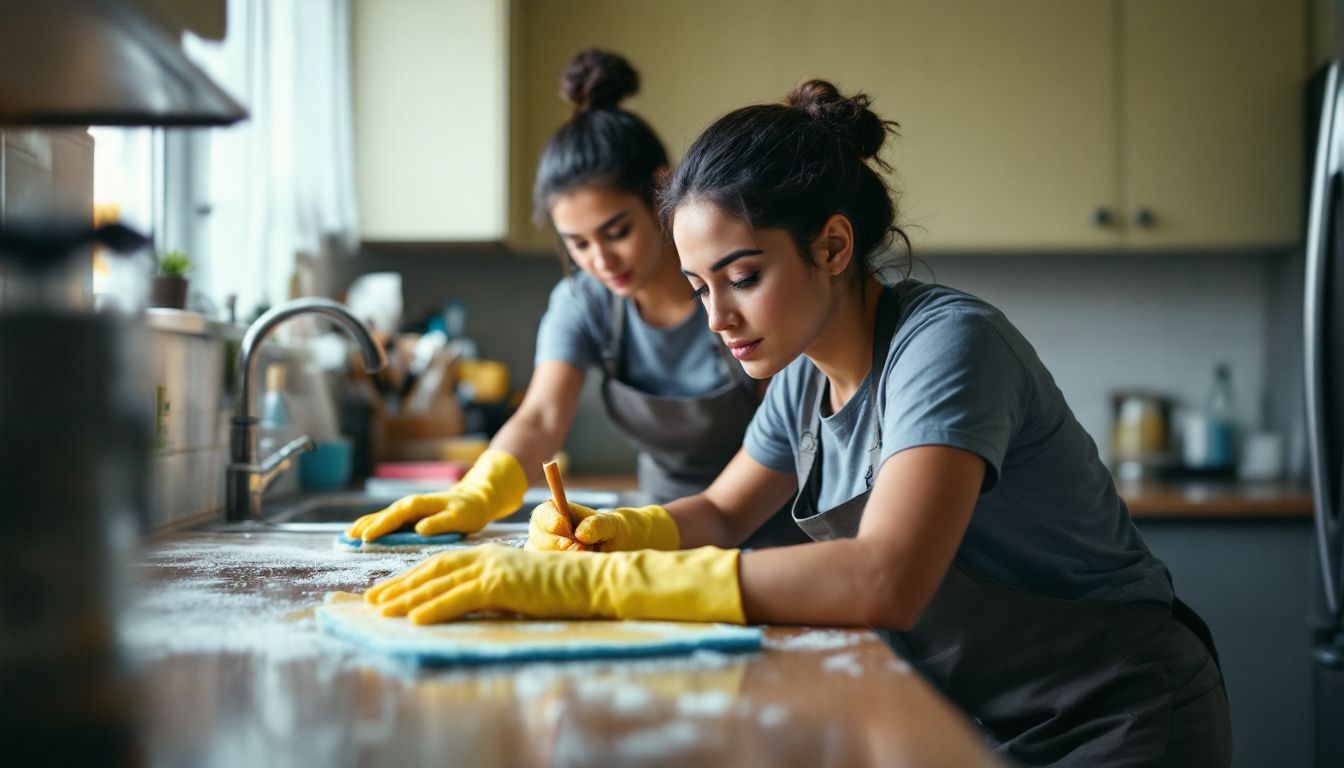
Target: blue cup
327 467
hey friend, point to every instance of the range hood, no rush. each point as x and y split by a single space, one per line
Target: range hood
101 62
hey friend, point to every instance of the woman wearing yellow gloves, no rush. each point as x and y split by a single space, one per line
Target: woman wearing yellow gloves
668 383
952 495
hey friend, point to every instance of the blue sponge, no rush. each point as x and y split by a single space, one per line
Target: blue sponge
403 541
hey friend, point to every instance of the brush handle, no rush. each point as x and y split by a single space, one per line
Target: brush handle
552 470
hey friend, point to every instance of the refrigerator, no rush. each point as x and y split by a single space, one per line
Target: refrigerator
1323 374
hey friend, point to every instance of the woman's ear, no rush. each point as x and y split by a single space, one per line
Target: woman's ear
833 248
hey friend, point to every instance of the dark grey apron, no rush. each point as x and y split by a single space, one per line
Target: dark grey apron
1051 681
683 442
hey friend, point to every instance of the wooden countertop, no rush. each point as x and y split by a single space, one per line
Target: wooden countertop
1215 500
232 670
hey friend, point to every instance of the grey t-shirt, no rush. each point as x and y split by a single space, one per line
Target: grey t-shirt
1048 519
682 361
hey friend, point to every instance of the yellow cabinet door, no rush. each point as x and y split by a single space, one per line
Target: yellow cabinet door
697 59
1006 110
430 119
1211 143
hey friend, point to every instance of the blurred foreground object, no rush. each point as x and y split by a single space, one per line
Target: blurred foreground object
74 450
102 62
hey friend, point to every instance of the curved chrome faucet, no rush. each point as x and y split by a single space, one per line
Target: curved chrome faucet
247 475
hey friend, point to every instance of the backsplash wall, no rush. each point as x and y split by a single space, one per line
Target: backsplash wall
1100 322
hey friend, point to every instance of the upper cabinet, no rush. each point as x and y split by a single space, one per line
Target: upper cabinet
1033 125
1213 94
1086 124
431 133
1008 118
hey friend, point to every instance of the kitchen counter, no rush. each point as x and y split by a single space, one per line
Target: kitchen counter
232 670
1215 500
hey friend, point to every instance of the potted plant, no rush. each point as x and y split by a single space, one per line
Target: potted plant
170 284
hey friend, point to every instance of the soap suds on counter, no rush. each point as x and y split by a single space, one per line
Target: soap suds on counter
704 704
843 662
773 715
814 640
659 741
545 677
620 695
217 597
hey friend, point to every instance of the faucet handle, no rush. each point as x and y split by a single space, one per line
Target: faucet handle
300 443
270 464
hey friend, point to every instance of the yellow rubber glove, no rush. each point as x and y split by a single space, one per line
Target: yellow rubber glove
491 489
686 585
605 530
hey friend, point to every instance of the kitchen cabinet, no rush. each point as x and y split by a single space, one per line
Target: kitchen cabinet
1144 124
1250 580
430 106
1045 125
1007 116
1211 138
682 57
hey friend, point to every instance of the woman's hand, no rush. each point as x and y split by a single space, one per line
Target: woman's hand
604 530
493 488
688 585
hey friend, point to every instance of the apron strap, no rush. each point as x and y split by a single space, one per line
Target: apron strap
611 353
816 387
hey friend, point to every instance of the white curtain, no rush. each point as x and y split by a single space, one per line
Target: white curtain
282 182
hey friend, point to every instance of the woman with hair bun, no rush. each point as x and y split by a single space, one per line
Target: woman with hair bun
951 496
623 307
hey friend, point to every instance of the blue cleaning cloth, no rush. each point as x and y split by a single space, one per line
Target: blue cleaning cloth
400 540
513 640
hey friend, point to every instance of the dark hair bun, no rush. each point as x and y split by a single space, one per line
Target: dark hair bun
848 116
597 79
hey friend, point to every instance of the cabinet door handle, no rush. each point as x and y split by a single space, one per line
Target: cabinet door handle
1101 216
1144 218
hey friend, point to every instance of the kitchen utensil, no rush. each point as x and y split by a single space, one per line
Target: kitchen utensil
326 467
552 471
1261 457
1140 440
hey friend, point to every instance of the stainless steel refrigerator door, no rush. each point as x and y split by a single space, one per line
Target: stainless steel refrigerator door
1324 377
1324 357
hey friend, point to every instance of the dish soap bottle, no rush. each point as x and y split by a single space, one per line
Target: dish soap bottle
275 428
1218 411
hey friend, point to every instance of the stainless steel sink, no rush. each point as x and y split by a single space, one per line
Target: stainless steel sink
333 512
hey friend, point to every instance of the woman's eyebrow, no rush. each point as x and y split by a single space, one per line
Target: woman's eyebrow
726 260
603 225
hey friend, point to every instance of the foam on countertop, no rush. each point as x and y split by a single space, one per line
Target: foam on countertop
814 640
204 604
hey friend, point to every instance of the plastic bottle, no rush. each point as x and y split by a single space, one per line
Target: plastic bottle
275 428
1220 423
455 325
